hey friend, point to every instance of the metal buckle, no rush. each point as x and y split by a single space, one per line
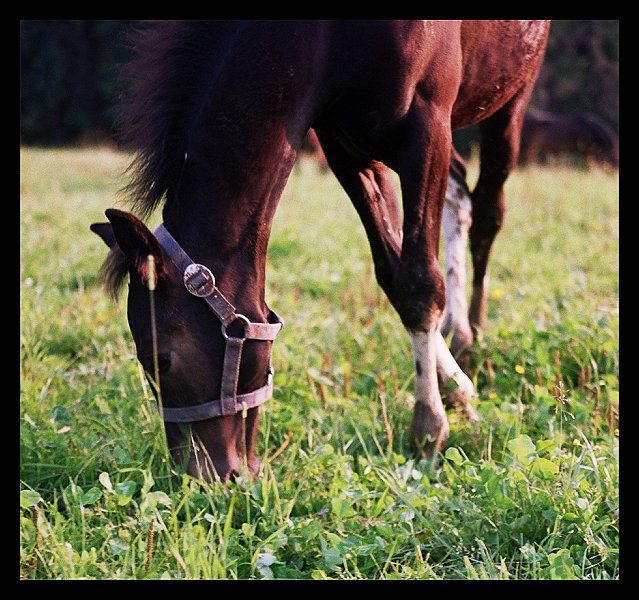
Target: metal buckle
199 280
241 317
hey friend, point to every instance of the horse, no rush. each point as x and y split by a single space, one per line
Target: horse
582 134
216 112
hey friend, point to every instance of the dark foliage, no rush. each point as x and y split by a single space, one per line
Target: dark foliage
69 85
581 70
68 81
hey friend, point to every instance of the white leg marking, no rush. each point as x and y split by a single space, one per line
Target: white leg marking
425 355
425 352
456 220
449 370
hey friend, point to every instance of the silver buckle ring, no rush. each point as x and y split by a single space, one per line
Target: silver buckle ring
241 317
199 280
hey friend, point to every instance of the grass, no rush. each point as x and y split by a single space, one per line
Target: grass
529 493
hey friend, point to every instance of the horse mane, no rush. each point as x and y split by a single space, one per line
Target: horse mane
165 89
166 85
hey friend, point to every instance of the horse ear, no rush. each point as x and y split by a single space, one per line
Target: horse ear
105 232
135 240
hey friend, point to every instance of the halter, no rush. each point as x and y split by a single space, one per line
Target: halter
200 282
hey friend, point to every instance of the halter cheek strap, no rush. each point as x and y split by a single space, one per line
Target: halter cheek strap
200 282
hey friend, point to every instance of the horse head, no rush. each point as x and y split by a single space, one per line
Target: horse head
209 366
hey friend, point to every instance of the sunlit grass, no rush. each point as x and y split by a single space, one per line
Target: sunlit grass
530 493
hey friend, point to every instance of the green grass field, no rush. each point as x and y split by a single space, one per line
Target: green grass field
529 493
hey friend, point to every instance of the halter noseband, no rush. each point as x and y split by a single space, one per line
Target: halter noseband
200 282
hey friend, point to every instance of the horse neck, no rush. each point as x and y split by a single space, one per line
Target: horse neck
222 211
241 148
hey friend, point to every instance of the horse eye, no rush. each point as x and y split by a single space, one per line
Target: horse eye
163 361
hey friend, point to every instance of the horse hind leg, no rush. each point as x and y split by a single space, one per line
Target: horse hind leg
499 148
456 222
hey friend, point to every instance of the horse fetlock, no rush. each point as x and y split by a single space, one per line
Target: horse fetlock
464 384
461 343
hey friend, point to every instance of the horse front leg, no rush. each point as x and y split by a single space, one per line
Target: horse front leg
372 191
419 291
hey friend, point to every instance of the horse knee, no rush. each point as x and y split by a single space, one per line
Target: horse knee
419 298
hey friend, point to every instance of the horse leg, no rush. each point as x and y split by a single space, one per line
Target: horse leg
419 295
499 147
372 192
456 221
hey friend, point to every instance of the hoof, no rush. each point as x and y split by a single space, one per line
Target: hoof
458 400
429 433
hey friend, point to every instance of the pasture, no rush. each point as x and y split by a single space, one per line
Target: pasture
531 492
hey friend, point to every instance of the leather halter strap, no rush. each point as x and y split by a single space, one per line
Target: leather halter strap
200 282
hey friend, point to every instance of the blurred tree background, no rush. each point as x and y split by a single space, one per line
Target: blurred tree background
69 84
68 80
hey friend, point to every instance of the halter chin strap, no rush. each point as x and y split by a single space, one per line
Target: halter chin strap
200 282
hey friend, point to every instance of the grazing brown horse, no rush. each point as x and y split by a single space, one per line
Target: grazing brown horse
580 134
217 112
